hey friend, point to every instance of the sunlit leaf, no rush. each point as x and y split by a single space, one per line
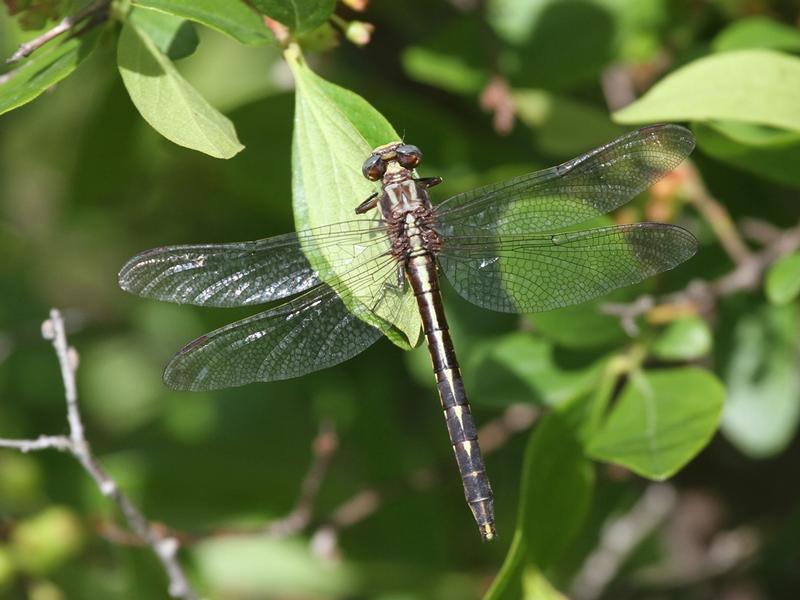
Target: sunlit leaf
174 36
783 279
168 102
754 86
298 15
661 420
335 131
234 18
762 381
44 70
684 339
757 32
535 586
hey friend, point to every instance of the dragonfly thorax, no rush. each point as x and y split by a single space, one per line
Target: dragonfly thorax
407 212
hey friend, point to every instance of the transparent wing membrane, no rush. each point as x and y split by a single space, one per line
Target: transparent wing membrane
532 273
318 329
584 187
248 273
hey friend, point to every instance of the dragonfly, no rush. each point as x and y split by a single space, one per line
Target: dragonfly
510 247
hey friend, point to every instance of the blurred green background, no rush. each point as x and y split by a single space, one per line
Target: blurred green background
85 183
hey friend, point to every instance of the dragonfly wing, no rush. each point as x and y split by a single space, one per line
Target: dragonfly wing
245 273
318 329
584 187
532 273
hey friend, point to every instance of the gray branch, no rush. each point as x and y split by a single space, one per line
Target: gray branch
165 547
62 27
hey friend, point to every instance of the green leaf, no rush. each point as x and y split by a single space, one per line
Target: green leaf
449 59
44 70
249 566
562 126
537 29
174 36
783 279
535 586
556 491
234 18
661 420
531 360
757 32
168 102
335 131
557 483
765 151
754 86
684 339
298 15
581 326
763 384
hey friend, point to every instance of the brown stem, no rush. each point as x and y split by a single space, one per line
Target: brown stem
62 27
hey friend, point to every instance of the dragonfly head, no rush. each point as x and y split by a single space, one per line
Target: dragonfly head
396 157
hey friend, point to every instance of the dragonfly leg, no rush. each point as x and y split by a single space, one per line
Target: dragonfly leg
428 182
367 204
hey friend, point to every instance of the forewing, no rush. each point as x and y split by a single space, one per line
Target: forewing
532 273
246 273
311 332
584 187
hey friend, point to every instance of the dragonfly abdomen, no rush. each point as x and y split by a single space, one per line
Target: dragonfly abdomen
421 272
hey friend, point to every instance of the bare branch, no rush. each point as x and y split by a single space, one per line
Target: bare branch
164 546
43 442
323 448
62 27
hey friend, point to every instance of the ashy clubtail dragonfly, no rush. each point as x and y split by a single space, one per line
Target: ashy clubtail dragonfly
506 247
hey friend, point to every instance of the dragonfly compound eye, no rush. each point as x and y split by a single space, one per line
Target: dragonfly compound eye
373 168
408 156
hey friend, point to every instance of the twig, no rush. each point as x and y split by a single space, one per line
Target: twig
324 446
165 547
43 442
621 537
63 26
